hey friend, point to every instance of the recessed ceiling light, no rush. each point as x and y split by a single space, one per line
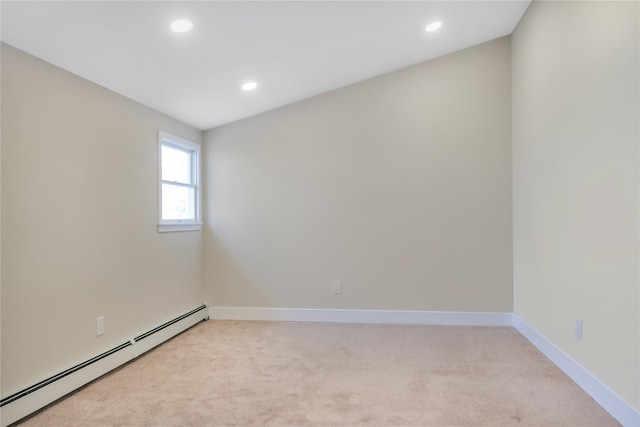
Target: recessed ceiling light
249 86
433 26
181 25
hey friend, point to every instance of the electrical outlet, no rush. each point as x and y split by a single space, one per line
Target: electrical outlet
336 287
99 326
579 329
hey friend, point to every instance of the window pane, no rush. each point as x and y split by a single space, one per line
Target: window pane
176 164
178 202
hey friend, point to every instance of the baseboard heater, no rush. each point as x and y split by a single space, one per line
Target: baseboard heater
24 402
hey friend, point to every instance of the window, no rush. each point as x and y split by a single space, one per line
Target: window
179 184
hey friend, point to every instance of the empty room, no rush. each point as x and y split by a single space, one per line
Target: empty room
320 213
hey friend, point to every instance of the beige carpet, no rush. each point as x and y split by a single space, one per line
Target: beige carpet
230 373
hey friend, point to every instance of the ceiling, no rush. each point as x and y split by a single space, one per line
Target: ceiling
292 49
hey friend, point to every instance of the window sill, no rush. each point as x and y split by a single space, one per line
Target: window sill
170 228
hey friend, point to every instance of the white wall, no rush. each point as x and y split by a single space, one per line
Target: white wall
575 165
399 186
79 214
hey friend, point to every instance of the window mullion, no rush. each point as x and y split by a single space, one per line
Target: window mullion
179 184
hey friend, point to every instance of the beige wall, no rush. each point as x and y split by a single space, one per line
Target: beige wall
399 186
575 161
1 224
79 215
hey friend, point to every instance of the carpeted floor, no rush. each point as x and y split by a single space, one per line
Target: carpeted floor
232 373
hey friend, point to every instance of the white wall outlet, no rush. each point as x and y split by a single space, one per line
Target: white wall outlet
99 326
579 329
336 287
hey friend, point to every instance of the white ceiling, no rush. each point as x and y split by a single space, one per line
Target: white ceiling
293 49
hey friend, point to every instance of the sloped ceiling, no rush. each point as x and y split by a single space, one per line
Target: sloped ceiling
292 49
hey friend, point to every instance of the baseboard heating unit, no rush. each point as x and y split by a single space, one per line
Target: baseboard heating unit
24 402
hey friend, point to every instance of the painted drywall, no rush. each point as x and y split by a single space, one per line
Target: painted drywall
398 186
575 176
79 216
0 226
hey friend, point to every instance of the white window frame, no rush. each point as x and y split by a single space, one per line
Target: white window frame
169 225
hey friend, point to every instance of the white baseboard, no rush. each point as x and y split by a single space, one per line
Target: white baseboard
363 316
607 398
40 397
146 344
30 403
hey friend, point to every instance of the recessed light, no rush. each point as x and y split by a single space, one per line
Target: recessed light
181 25
249 86
433 26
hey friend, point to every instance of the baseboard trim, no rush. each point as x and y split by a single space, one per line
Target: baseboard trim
607 398
399 317
626 414
26 405
40 395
